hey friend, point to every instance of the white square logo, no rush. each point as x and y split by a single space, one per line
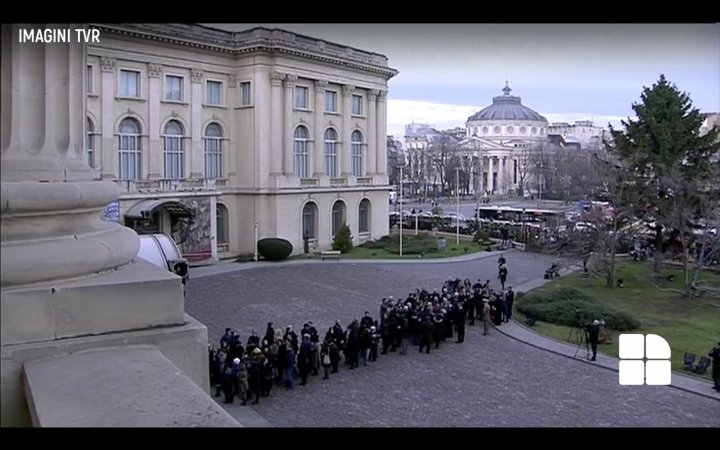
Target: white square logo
634 370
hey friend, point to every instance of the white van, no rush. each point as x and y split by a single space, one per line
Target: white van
160 250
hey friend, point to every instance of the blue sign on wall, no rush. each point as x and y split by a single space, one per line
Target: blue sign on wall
112 212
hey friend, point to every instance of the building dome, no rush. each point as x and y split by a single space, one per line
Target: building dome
506 107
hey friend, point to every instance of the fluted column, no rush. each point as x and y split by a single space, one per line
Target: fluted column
345 138
197 152
371 132
319 169
51 208
288 124
107 108
501 174
491 176
381 135
155 149
276 125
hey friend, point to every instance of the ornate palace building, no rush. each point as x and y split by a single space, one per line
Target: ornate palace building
219 138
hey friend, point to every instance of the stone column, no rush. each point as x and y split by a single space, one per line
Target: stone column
288 125
231 144
276 125
491 176
318 140
156 167
197 152
371 133
345 137
381 135
501 174
107 110
51 208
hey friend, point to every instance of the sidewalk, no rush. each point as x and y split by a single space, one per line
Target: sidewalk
515 330
228 267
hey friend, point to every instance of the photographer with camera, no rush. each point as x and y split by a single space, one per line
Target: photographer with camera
593 333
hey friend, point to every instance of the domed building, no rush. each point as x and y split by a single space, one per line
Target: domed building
499 138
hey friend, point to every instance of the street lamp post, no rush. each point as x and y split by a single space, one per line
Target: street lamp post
457 206
401 211
257 225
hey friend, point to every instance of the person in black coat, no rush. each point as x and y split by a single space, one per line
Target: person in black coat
438 328
303 359
593 332
426 335
334 352
460 315
715 355
214 370
270 333
509 300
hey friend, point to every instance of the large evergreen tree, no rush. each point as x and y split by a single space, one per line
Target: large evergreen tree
663 142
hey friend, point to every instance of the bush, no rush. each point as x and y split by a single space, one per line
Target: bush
274 249
481 236
343 239
571 307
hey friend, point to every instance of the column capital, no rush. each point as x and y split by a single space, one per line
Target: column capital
196 76
372 95
381 95
348 90
276 78
290 81
107 64
154 70
320 86
232 81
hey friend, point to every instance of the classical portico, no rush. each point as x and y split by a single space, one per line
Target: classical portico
69 280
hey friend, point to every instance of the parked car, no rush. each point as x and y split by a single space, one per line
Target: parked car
160 250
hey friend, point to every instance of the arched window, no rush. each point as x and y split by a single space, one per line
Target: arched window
338 216
356 153
213 151
330 153
309 220
173 154
300 152
364 216
90 144
129 151
223 227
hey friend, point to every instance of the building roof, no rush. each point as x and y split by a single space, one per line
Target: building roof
506 107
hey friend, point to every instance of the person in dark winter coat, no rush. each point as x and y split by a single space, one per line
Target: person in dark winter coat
270 333
460 315
426 335
325 358
715 355
509 300
289 365
228 384
256 373
438 329
374 342
334 356
303 360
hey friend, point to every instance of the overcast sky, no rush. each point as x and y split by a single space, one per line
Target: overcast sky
565 72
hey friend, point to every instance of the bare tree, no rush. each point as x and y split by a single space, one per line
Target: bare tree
442 149
524 166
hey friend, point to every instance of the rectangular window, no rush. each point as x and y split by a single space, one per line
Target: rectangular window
301 97
213 158
357 109
89 79
214 91
330 101
173 156
245 98
173 88
129 83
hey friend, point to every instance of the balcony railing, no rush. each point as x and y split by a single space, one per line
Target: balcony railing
190 185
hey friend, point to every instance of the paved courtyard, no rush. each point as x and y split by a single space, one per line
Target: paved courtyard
486 381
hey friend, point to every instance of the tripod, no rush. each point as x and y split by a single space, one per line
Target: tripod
581 337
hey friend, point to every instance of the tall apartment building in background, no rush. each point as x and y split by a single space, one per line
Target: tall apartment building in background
214 135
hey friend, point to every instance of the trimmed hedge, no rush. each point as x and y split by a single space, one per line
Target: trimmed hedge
572 307
274 249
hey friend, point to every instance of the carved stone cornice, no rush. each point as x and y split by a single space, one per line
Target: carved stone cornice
232 81
154 70
276 79
320 86
107 64
348 90
290 81
196 76
372 95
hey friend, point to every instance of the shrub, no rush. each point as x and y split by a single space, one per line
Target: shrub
571 307
481 236
274 249
343 239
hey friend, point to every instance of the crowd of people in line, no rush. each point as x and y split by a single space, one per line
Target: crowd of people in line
424 319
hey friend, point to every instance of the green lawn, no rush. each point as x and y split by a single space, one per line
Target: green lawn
451 250
689 325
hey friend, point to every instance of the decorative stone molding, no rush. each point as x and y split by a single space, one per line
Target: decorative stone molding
232 81
196 76
130 112
381 96
320 86
276 78
372 95
154 70
174 114
348 90
290 81
107 64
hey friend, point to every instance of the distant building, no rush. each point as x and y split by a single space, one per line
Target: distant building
582 132
711 119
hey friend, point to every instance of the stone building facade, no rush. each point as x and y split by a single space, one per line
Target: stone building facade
222 138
